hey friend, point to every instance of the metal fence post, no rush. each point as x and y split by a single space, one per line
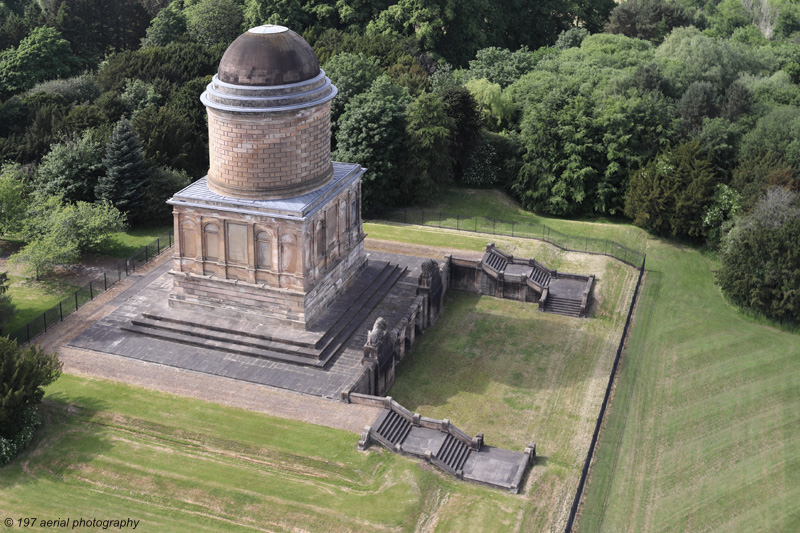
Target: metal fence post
145 254
44 320
60 312
458 222
91 292
28 332
512 228
76 300
105 282
158 246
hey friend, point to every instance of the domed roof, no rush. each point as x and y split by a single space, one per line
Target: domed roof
267 56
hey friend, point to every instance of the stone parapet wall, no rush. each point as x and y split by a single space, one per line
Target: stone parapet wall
269 155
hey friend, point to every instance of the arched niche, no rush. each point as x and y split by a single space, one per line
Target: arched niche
263 250
211 242
288 253
188 231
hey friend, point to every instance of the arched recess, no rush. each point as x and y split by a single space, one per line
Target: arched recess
188 239
288 254
211 242
263 250
320 238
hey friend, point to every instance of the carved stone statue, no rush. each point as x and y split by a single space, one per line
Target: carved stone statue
377 332
429 267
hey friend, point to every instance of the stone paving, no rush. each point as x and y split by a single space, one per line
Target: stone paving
106 336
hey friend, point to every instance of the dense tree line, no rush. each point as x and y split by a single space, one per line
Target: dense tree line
679 114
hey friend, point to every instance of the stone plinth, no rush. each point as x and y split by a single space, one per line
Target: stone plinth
282 259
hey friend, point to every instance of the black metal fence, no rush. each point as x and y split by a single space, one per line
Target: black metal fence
590 454
100 284
528 230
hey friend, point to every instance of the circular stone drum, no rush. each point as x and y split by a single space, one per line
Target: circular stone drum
269 117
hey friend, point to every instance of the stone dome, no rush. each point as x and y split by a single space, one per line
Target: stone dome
268 55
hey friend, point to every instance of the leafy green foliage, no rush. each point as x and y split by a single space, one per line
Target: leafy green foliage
126 170
753 176
429 133
371 133
169 25
650 20
504 67
7 307
58 232
43 55
162 183
23 373
760 261
352 74
72 169
215 21
13 199
722 211
670 194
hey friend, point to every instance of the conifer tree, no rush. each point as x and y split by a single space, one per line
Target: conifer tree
126 170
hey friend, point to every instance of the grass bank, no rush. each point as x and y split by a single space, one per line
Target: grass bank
109 450
704 430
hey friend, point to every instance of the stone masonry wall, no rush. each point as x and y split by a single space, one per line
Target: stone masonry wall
269 155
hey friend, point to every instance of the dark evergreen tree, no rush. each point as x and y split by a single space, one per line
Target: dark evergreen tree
670 194
7 307
126 170
429 139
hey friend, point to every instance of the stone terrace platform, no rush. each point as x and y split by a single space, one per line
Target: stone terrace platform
444 445
322 361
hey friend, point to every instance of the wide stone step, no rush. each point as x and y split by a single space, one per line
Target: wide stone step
563 306
225 336
189 340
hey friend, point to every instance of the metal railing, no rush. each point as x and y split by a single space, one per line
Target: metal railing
100 284
528 230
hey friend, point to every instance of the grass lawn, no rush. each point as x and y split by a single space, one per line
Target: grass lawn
498 205
704 430
503 368
110 451
126 243
32 298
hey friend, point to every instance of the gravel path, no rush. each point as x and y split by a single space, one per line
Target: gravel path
276 402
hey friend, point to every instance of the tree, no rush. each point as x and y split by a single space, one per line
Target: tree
7 307
698 102
429 141
671 193
162 183
169 25
760 259
777 131
650 20
13 199
463 109
288 13
371 133
71 168
23 373
753 176
215 21
503 66
58 233
352 74
43 55
126 170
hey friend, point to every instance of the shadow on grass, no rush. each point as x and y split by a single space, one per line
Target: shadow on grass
67 438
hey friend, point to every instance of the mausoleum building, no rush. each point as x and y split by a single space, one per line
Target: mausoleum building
273 232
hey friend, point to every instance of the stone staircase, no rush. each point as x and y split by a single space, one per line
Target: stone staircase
540 276
562 306
496 262
443 445
453 454
393 430
314 348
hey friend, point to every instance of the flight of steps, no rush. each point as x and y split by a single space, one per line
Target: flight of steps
540 276
453 453
394 428
496 262
562 306
334 327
